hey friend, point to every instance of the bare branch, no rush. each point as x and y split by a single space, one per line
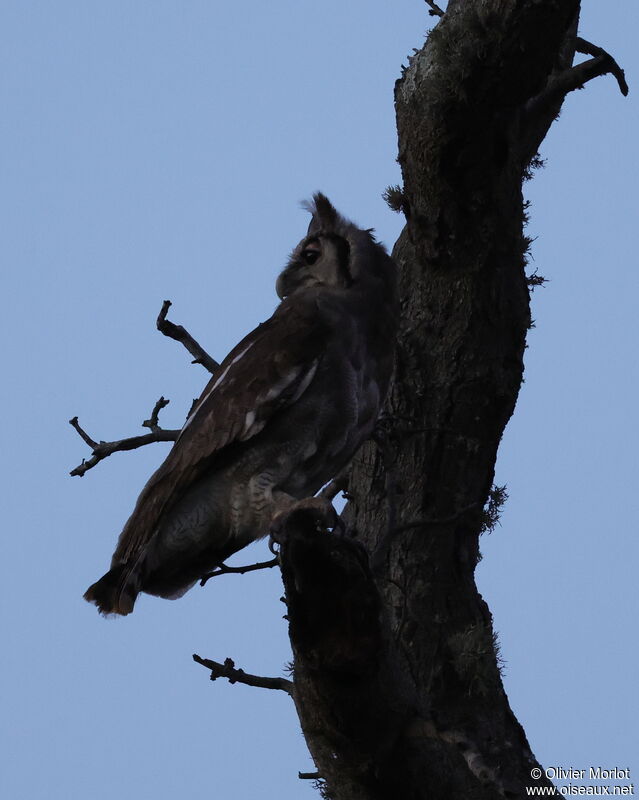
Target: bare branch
180 334
559 85
575 77
228 670
540 111
606 65
85 436
435 10
224 570
101 450
309 776
152 423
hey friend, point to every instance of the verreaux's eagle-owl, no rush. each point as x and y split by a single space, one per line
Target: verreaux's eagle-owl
285 412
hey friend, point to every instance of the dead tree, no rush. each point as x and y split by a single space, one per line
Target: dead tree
396 676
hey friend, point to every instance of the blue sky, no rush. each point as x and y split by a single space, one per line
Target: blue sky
155 150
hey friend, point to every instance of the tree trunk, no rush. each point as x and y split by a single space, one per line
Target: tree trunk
396 673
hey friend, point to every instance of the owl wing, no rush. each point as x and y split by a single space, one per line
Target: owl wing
268 370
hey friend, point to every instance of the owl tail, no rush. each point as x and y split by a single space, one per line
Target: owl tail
115 592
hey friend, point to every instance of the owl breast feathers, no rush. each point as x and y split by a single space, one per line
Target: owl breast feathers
285 412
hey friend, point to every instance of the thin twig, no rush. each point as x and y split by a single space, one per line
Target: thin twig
152 423
180 334
101 450
224 570
228 670
435 10
309 776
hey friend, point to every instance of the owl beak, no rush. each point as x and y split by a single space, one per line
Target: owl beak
280 287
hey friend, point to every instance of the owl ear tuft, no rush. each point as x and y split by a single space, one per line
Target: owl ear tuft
325 216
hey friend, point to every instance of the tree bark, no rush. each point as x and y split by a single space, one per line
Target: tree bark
396 672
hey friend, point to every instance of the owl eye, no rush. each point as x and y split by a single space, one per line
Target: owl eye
310 255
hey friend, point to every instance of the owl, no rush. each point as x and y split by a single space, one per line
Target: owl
285 412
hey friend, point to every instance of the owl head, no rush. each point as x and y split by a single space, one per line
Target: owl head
336 253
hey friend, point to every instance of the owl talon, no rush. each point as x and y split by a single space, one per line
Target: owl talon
340 528
316 509
271 544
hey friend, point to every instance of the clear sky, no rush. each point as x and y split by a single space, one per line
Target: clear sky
153 150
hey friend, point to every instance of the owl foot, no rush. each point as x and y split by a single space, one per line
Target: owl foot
316 511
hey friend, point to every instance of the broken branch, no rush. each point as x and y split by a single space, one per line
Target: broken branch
152 423
559 85
101 450
233 675
541 110
222 569
180 334
435 10
604 62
